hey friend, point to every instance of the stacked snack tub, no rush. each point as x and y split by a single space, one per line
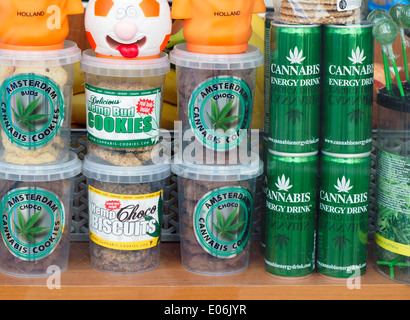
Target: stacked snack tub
124 79
216 169
392 253
392 240
37 169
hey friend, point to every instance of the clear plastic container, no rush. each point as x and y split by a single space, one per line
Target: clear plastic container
392 233
125 210
36 94
124 101
36 204
215 214
215 103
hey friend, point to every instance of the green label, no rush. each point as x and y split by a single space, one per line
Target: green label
222 221
393 194
123 119
32 222
343 216
291 216
220 111
32 110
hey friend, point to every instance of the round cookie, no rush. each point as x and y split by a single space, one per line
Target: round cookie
5 72
58 74
319 12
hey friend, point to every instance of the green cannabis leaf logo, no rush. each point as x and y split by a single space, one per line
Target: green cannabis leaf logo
228 226
294 115
27 228
341 242
356 115
25 115
220 119
281 240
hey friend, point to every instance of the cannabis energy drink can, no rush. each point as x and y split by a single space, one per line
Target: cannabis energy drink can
343 215
291 214
295 55
268 22
347 97
266 106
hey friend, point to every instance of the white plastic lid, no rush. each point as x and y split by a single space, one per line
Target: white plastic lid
42 172
251 58
206 172
90 63
48 58
118 174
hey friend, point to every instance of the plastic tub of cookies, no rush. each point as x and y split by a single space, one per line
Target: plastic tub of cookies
125 215
36 93
215 103
216 206
36 204
124 100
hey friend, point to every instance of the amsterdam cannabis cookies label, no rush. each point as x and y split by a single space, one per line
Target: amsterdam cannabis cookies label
220 111
222 221
32 110
32 222
125 222
393 215
123 118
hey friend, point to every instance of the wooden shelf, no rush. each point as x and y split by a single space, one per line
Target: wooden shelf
170 281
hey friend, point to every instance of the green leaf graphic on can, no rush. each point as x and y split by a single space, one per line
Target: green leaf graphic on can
356 115
294 115
341 242
296 56
343 185
357 56
281 240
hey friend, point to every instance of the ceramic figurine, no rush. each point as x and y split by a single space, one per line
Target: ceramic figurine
132 29
36 24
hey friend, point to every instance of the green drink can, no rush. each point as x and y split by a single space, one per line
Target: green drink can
347 95
295 85
268 22
290 227
343 215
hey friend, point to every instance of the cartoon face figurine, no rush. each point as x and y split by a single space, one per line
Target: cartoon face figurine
128 28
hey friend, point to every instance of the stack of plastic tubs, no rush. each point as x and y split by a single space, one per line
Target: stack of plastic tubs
216 169
37 169
124 166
